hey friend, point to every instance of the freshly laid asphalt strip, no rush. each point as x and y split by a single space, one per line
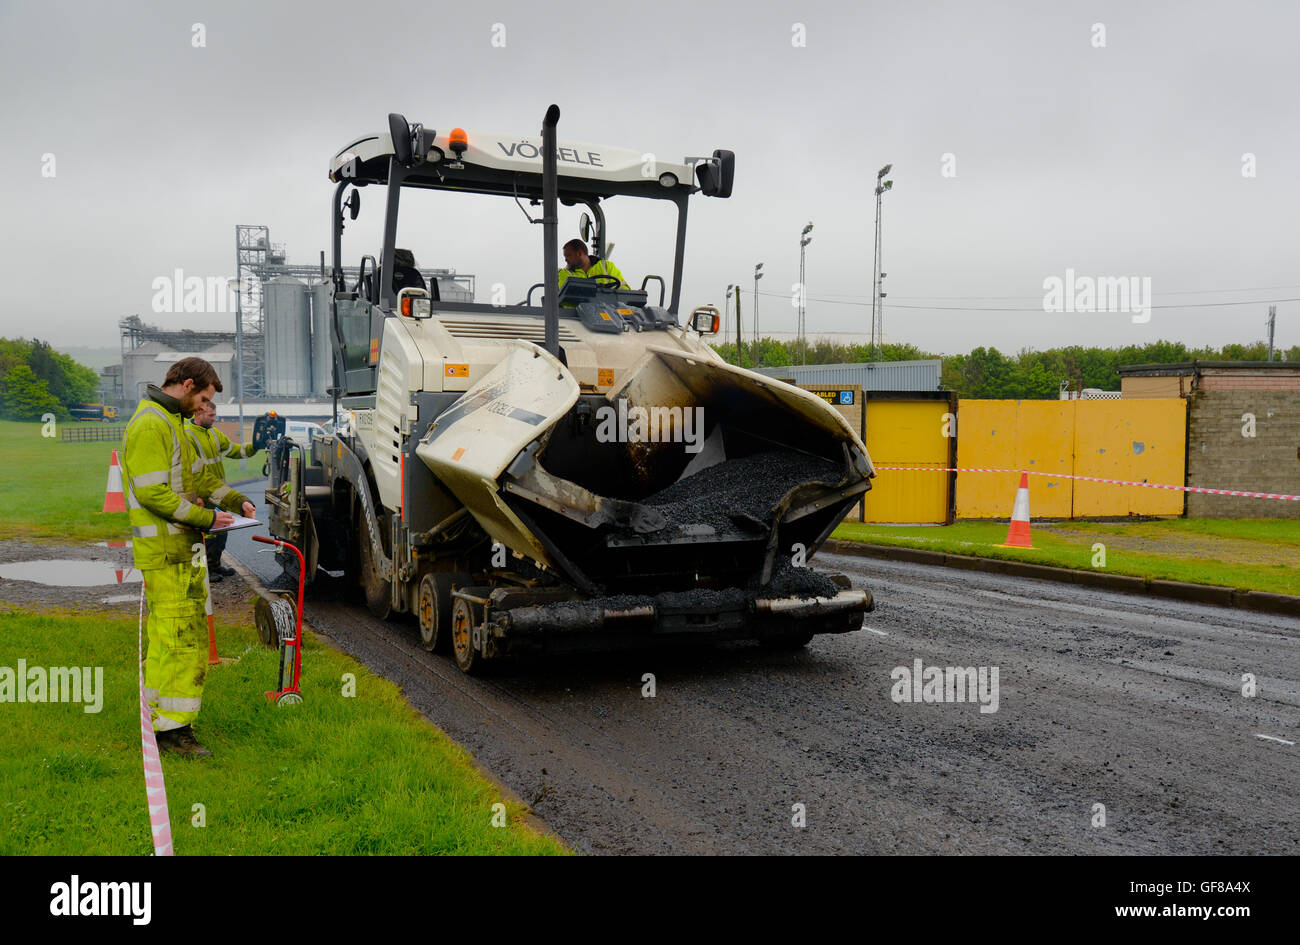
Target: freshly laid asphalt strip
1125 701
1287 604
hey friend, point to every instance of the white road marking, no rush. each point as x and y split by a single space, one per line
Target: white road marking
1274 738
877 632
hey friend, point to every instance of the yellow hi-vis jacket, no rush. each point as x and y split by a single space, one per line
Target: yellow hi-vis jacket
213 446
601 267
164 478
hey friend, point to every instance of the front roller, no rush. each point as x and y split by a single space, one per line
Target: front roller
279 620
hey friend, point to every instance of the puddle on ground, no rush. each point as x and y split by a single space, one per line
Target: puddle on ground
67 573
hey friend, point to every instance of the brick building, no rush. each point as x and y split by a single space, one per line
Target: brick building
1243 430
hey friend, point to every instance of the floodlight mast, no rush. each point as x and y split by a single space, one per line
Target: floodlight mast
877 296
804 240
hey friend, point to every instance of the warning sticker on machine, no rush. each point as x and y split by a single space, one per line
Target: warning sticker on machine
605 377
456 370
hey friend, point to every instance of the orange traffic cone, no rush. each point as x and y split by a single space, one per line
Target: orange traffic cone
213 658
114 498
1018 533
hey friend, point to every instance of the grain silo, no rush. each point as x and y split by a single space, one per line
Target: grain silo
287 324
322 363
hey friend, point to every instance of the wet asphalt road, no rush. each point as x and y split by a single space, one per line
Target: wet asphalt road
1105 699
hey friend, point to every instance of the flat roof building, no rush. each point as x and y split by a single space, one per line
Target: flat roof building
869 375
1243 430
1180 379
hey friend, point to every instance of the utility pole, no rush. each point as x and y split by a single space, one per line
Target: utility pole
758 337
740 350
877 308
1272 320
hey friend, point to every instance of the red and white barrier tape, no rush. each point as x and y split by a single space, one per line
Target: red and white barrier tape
155 788
1117 482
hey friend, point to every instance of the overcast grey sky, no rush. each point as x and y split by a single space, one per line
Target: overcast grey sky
1117 160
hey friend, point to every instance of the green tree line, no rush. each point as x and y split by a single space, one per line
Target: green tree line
36 380
987 373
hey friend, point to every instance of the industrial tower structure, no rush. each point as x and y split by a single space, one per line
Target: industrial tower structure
258 261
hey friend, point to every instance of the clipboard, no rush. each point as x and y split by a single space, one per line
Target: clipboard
240 522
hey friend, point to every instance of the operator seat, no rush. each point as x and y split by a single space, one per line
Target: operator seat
408 277
404 277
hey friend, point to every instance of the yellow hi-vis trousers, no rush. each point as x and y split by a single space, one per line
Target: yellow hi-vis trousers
177 660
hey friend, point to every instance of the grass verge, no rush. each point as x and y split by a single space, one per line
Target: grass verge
1254 554
362 774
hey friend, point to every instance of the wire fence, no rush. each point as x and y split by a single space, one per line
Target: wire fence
89 432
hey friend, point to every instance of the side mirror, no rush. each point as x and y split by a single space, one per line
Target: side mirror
706 320
353 203
584 227
717 175
400 131
728 173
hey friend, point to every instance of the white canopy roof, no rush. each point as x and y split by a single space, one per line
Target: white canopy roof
523 153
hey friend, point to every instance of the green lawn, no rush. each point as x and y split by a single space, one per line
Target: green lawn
1278 531
55 490
335 775
1258 554
254 470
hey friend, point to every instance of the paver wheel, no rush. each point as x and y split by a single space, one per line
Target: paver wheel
434 610
463 638
378 596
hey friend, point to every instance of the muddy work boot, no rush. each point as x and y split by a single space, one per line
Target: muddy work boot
181 741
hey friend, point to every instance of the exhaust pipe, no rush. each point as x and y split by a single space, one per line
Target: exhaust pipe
550 223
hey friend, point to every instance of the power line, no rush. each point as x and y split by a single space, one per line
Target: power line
1039 309
994 298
